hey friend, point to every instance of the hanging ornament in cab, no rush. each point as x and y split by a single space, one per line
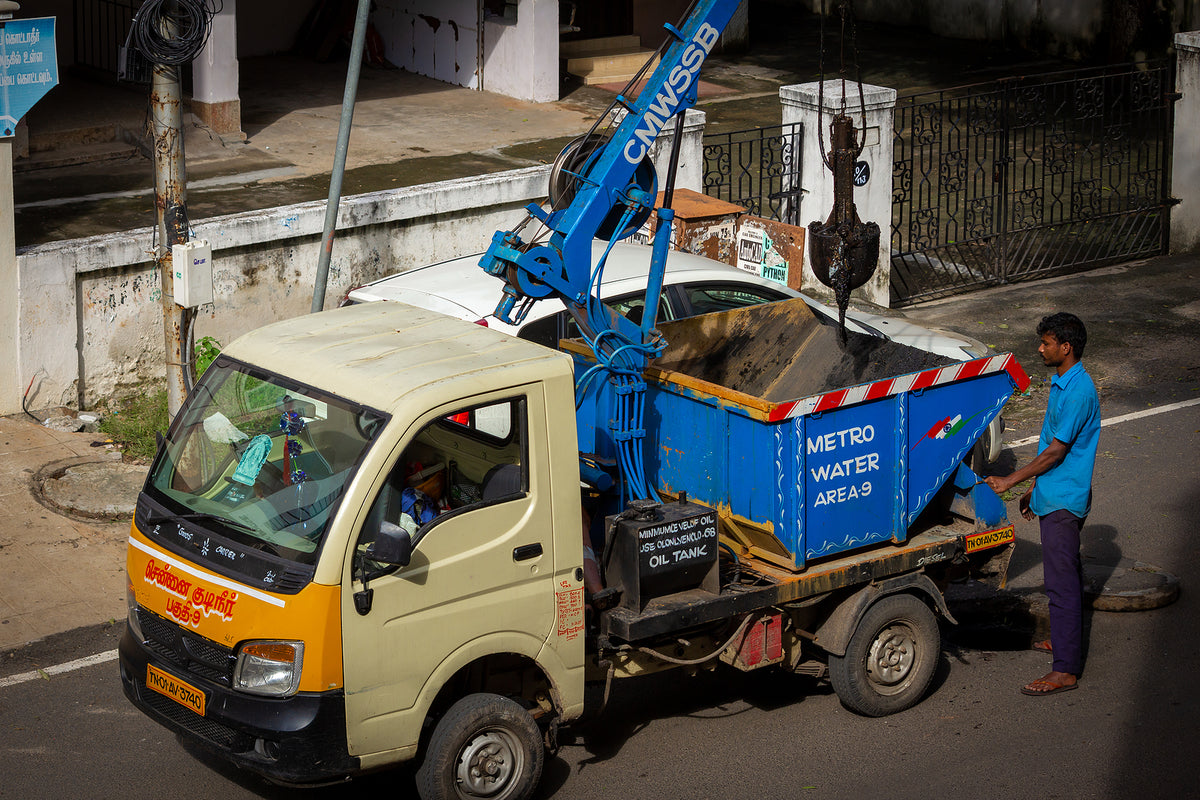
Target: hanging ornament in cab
843 250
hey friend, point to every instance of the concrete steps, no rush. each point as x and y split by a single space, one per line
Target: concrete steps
609 59
89 145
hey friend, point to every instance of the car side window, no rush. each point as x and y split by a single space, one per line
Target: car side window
705 299
493 421
449 468
629 306
543 331
633 306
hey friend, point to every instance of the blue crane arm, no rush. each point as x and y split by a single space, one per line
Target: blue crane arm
562 265
611 191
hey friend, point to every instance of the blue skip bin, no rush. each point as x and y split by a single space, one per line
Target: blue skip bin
769 415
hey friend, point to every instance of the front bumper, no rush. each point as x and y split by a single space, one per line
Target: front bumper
297 740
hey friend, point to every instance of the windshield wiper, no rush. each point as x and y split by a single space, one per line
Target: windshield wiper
204 515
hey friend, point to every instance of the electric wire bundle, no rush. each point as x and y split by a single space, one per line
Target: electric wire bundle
192 21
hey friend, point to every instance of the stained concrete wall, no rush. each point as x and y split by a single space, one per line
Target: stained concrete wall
90 314
516 56
437 38
520 56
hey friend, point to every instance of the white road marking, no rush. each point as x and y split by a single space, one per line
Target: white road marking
58 669
1149 412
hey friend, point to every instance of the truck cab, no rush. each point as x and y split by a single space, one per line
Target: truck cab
266 621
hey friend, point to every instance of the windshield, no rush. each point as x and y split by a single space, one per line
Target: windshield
259 461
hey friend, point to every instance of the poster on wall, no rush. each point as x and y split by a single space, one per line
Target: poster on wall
771 250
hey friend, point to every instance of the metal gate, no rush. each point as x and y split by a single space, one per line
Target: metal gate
758 169
100 30
1030 176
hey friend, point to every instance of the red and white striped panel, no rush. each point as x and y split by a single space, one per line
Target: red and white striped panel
904 383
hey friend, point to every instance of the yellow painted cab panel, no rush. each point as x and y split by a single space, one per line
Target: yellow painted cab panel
229 612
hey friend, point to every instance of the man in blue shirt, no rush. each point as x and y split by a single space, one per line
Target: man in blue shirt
1061 495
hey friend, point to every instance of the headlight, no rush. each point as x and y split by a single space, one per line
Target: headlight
269 667
135 624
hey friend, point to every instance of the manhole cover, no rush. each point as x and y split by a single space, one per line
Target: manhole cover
97 489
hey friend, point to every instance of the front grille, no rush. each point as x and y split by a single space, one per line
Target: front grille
187 651
203 727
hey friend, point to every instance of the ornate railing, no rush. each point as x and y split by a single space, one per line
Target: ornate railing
100 30
758 169
1030 176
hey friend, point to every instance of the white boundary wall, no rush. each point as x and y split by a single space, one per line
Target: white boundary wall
90 313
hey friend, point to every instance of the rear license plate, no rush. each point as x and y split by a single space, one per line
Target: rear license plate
185 694
987 539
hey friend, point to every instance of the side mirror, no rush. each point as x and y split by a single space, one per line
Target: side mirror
393 545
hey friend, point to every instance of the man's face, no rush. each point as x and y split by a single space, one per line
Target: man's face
1054 353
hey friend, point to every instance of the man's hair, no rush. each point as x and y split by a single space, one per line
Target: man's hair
1067 329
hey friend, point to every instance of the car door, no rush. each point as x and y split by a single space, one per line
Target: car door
481 574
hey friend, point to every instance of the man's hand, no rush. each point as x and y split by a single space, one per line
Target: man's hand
1026 511
999 483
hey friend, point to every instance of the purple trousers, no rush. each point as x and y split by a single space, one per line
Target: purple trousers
1063 574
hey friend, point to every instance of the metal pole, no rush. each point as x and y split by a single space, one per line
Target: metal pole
11 385
339 158
170 203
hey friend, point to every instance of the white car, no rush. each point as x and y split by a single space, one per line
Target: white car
693 285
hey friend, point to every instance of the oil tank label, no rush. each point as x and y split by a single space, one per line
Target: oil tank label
678 543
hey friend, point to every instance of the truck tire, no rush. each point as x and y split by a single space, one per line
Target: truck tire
486 746
890 659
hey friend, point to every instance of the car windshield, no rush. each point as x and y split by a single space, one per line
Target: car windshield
258 461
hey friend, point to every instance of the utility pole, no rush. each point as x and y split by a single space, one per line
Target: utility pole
339 156
170 203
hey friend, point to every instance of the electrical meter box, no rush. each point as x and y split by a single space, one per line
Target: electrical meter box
192 264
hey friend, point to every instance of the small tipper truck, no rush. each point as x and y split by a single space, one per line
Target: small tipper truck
377 534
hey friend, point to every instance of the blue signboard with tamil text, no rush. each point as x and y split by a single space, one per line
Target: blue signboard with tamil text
28 67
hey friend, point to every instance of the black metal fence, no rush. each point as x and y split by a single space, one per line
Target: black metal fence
758 169
100 30
1030 176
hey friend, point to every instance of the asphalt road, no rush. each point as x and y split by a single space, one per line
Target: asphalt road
1130 730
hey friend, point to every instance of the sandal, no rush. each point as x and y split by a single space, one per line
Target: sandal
1047 685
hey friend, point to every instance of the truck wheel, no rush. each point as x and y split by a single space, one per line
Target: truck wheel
890 659
486 746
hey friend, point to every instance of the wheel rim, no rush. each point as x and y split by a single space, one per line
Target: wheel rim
892 657
489 764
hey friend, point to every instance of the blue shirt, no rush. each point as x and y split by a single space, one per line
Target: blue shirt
1072 417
